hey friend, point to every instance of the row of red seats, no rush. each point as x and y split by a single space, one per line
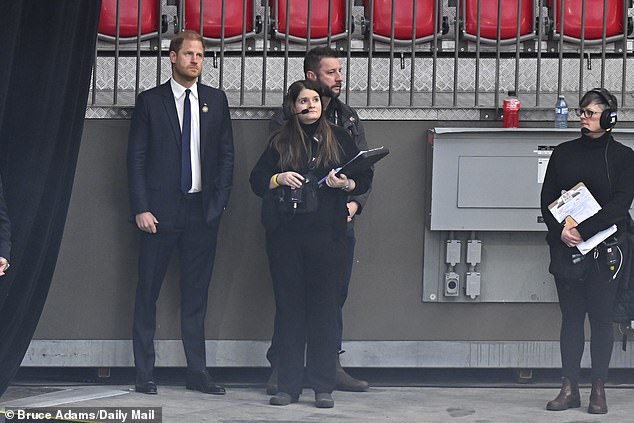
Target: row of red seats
378 11
567 11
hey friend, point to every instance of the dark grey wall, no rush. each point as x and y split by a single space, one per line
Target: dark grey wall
93 288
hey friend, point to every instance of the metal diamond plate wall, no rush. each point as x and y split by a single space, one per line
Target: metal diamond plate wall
381 86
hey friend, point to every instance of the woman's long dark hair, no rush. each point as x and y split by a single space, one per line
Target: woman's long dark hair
291 142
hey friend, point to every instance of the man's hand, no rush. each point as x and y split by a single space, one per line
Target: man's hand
353 208
4 265
146 222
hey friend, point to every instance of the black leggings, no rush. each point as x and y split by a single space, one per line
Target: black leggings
593 296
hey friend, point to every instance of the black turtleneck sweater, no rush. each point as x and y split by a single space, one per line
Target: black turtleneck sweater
584 160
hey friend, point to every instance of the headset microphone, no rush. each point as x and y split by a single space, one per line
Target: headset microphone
303 112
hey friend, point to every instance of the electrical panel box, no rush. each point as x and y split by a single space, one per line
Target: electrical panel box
483 190
489 179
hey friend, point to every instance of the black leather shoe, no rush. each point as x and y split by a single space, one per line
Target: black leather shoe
282 398
148 387
201 381
324 400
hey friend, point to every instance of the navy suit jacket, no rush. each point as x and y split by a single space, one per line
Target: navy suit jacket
154 147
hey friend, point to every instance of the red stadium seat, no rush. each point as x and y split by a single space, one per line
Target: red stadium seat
593 19
403 11
212 18
298 19
128 19
489 20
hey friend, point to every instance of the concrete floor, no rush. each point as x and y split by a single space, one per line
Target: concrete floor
487 401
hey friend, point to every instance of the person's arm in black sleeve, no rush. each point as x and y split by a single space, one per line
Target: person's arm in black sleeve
138 146
614 211
225 155
362 144
263 171
551 192
362 180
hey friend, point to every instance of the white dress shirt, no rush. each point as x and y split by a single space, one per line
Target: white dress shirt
179 97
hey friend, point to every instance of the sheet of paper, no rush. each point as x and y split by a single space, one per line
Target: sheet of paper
587 245
577 203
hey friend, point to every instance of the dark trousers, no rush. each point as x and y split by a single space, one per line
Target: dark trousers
343 292
196 244
306 269
350 242
593 296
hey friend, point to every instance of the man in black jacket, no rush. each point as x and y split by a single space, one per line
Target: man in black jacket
322 64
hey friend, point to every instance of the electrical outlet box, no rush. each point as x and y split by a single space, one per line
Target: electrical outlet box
452 284
472 286
453 251
474 251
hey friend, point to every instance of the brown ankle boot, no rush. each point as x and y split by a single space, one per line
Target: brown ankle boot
345 382
598 403
568 397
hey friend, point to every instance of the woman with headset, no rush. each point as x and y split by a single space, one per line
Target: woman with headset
304 213
587 284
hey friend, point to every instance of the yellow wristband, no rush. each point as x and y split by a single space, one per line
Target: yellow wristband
277 184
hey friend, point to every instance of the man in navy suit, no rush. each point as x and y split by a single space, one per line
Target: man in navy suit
180 171
5 234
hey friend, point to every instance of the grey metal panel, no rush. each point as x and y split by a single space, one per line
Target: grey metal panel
514 268
479 176
389 354
395 256
502 187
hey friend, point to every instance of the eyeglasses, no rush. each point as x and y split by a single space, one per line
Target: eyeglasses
585 113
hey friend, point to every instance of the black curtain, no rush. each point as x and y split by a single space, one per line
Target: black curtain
46 61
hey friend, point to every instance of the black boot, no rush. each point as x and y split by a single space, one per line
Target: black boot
345 382
598 403
568 397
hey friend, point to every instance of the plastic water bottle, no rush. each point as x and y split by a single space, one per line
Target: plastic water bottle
511 111
561 113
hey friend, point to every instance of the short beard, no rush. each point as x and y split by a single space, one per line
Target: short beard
328 92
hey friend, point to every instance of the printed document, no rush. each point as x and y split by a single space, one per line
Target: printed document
579 204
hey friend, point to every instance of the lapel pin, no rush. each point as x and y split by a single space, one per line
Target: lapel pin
205 109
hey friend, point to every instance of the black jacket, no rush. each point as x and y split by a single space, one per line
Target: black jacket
332 211
340 114
584 160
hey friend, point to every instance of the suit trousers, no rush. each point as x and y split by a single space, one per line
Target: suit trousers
594 296
195 240
306 268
